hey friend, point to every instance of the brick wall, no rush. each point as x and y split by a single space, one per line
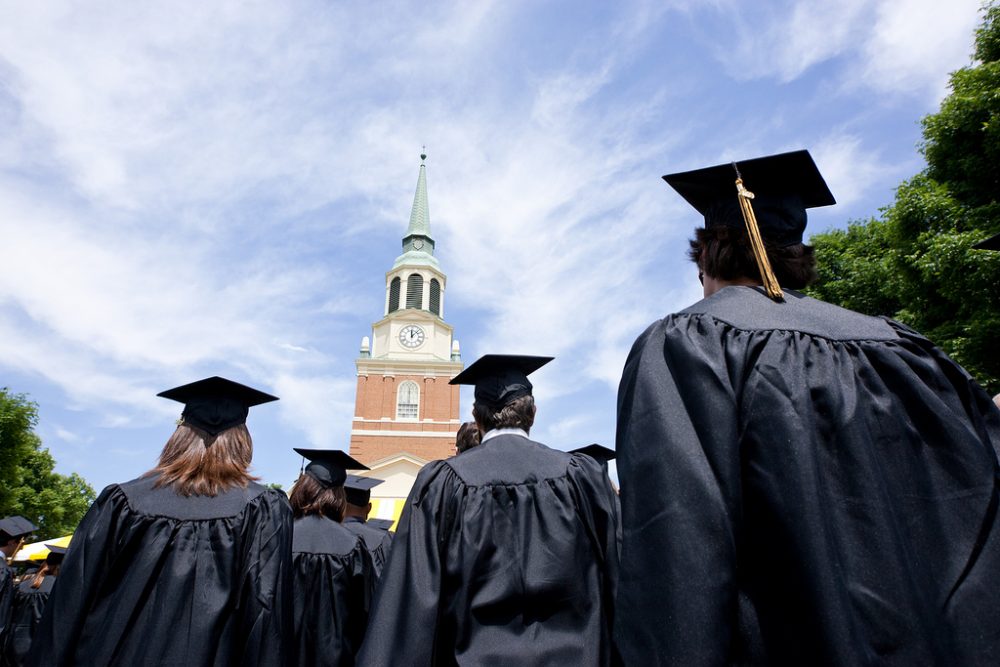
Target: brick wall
376 400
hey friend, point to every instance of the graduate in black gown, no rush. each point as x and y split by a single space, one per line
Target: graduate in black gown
801 484
189 564
378 540
29 603
334 579
13 530
505 554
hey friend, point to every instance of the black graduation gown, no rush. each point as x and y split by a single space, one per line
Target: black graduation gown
377 541
505 555
29 603
6 599
804 485
154 578
334 583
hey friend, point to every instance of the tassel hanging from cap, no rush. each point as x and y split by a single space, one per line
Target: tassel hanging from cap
771 286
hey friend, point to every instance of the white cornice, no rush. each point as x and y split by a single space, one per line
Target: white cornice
417 367
414 315
405 434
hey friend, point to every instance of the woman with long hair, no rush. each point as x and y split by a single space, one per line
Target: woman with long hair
186 565
30 599
334 579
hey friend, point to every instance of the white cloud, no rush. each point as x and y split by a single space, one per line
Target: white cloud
849 168
320 406
915 44
786 41
67 435
209 190
890 46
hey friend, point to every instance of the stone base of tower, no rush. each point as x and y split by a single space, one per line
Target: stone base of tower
371 448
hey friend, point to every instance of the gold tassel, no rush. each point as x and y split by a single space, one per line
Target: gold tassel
771 286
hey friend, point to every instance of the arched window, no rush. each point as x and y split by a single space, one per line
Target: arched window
435 296
408 401
414 291
394 294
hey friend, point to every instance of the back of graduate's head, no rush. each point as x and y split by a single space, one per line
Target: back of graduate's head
725 253
502 390
49 568
467 437
195 462
211 449
764 198
518 413
312 496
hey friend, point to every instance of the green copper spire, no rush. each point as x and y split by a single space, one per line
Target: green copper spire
418 244
420 219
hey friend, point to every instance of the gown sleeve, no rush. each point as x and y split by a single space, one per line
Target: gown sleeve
405 613
27 612
360 591
599 510
333 596
88 558
678 463
265 601
6 603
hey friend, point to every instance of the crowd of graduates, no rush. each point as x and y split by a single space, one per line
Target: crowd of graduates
800 485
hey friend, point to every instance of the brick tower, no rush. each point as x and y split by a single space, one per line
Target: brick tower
404 404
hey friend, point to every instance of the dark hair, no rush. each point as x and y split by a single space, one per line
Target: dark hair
725 253
467 437
519 413
310 496
196 463
47 569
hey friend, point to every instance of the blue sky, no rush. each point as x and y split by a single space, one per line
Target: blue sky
190 189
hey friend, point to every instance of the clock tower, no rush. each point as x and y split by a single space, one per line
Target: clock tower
405 406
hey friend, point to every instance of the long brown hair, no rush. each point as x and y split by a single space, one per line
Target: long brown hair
46 570
309 496
196 463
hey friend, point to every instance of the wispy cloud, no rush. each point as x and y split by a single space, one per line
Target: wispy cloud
219 188
889 47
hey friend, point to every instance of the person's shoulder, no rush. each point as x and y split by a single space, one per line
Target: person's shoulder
25 588
508 459
750 309
316 534
145 497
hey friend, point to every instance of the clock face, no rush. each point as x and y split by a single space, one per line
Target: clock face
411 336
418 244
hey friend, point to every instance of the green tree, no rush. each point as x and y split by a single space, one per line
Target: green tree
915 262
28 484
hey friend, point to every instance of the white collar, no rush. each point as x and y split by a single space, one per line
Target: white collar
504 431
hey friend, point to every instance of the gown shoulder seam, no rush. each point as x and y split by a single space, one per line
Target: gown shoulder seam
811 334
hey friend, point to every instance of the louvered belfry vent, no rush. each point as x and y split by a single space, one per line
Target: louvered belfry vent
394 295
414 290
435 296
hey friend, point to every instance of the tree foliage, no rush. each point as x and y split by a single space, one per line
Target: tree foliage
915 261
28 484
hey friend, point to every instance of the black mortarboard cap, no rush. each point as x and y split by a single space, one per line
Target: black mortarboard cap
500 378
56 554
595 451
16 526
358 489
784 186
215 404
992 243
330 466
381 524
